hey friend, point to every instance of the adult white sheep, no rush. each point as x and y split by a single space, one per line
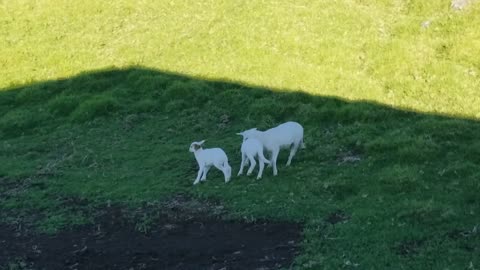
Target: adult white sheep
252 148
207 158
289 134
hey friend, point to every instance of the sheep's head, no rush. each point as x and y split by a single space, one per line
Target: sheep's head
248 133
196 146
243 135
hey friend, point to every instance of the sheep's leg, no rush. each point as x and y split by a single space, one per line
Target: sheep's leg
293 151
227 171
222 169
242 164
200 172
260 171
274 160
252 164
271 160
205 171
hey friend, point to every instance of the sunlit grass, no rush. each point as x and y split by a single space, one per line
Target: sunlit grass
358 50
406 181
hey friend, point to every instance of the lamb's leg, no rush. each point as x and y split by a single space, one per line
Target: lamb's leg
293 151
274 160
252 164
302 145
260 171
205 171
223 169
200 172
271 160
242 164
227 171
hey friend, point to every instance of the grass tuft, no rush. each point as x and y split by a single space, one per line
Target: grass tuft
96 106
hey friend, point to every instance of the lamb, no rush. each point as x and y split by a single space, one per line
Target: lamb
207 158
251 148
289 134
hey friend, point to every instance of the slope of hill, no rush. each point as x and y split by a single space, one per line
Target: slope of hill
99 103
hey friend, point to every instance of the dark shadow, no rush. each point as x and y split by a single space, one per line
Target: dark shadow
41 107
442 150
138 89
186 234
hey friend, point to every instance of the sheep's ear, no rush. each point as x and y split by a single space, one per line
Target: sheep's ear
240 133
202 142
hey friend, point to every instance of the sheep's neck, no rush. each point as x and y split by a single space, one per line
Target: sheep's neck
197 152
260 136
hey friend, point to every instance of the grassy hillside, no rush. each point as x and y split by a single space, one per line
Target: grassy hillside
358 50
404 184
100 102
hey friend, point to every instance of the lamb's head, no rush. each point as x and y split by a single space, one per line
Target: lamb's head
195 146
249 133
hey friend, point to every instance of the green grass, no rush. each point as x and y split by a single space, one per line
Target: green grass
354 49
399 176
100 101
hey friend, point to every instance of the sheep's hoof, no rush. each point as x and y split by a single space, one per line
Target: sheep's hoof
239 174
196 182
259 177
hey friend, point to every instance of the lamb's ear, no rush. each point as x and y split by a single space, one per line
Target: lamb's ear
240 133
201 142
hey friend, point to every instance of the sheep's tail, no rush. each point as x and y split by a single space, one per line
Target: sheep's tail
302 144
262 158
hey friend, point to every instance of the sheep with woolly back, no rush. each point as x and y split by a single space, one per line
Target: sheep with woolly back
250 149
206 158
289 134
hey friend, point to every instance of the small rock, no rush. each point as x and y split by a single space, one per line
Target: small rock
425 24
459 4
169 226
73 266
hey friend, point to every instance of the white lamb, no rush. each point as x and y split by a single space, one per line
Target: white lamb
289 134
252 148
207 158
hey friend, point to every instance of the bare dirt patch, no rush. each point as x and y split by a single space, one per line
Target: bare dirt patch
178 234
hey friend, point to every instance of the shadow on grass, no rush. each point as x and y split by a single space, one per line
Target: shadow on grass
364 160
396 133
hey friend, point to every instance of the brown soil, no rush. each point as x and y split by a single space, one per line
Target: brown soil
181 234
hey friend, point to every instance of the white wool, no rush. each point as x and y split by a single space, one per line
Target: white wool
252 148
207 158
289 134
